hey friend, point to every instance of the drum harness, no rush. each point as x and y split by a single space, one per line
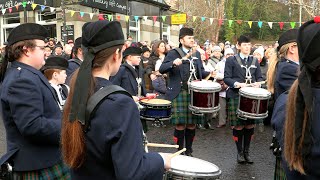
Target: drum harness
248 79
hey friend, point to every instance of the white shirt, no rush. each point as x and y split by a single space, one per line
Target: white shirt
220 74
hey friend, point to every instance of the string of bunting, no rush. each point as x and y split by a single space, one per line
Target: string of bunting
111 17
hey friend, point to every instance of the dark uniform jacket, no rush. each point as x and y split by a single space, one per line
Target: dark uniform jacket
233 72
312 164
286 74
73 65
178 75
126 78
114 143
32 119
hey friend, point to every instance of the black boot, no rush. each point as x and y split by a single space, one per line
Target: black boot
178 138
237 137
189 135
248 134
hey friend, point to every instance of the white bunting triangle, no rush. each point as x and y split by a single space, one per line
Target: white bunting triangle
211 20
270 24
145 18
52 9
91 15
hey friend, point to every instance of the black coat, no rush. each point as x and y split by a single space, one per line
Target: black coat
126 78
114 143
233 72
175 74
32 119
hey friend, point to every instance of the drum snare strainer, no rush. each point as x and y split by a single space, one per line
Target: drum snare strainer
185 167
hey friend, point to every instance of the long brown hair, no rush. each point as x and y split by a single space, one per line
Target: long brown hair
72 138
294 158
156 45
271 73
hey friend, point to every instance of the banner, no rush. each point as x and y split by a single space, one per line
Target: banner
178 18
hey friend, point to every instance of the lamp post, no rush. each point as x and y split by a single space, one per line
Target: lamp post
300 11
64 24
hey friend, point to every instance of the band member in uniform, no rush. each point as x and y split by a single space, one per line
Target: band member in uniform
107 145
282 73
178 68
131 76
76 59
299 110
235 77
31 115
288 65
55 71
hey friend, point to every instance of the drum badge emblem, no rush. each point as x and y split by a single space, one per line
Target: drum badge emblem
254 106
209 102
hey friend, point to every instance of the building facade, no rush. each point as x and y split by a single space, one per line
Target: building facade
140 26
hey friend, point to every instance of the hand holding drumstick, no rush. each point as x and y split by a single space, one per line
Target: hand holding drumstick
178 61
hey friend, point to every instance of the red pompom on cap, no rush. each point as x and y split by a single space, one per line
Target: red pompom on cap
316 19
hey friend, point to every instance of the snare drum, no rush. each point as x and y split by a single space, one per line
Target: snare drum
253 103
155 109
204 96
185 167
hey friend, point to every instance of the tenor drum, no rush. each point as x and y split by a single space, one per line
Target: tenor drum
253 103
155 109
185 167
204 96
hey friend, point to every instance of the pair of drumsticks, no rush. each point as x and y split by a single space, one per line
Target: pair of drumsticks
168 146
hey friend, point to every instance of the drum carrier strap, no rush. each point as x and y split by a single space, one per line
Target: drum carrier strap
179 52
240 62
96 99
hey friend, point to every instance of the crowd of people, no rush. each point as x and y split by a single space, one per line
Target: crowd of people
43 82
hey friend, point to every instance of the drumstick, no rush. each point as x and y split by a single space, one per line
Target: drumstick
178 152
193 50
162 145
208 77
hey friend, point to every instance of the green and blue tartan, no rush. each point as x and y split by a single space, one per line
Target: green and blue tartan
59 171
181 114
232 114
279 173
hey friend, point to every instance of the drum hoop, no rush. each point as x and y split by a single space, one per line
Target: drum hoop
194 174
155 105
252 96
251 115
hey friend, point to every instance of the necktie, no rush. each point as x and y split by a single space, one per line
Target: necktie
63 97
245 60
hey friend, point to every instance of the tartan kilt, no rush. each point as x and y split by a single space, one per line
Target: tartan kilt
181 114
58 171
279 173
232 114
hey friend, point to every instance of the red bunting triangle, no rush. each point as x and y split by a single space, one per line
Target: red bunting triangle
239 22
17 6
281 25
118 18
100 16
220 22
154 19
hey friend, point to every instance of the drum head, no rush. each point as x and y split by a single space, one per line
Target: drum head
255 92
204 84
193 167
156 101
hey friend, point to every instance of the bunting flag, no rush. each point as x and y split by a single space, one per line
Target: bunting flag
154 18
52 9
118 18
281 25
211 20
239 22
3 11
164 18
72 13
100 17
127 18
203 19
292 24
194 18
10 10
24 4
260 24
81 14
270 24
230 23
42 7
136 18
145 18
110 17
250 24
17 6
91 15
34 6
220 22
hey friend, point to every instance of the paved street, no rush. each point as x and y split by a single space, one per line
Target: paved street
215 146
